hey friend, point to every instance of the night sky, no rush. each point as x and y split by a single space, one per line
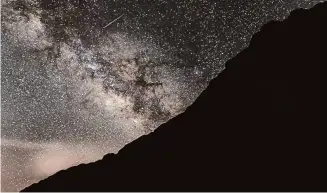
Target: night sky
81 78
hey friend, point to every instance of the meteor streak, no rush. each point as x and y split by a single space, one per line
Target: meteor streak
113 21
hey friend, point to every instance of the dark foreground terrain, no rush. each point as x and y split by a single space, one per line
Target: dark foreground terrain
257 127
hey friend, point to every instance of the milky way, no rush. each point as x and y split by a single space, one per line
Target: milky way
80 79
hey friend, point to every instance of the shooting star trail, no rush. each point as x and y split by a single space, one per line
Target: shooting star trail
113 21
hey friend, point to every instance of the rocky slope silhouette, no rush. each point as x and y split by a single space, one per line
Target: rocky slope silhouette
255 128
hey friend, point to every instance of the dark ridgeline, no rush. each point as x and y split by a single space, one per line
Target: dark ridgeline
255 128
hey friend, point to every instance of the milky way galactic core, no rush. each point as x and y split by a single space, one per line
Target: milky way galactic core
81 78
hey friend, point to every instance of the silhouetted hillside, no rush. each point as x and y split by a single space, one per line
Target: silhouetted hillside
257 127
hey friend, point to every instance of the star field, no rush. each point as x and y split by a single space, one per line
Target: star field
80 79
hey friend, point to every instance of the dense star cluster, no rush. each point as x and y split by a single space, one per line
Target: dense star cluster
81 78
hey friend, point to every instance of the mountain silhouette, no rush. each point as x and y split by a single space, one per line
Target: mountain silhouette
257 126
